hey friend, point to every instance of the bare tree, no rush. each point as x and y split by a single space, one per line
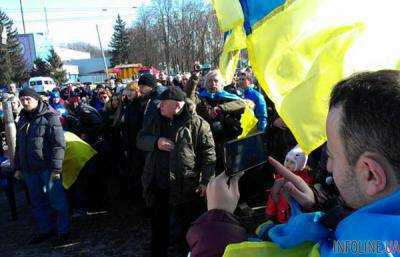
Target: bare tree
174 34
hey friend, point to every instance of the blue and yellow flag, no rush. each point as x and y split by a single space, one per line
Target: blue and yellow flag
229 14
235 41
302 48
301 52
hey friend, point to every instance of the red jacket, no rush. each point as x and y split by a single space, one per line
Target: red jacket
281 209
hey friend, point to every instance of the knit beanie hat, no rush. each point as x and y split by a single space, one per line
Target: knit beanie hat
173 93
30 92
297 157
148 80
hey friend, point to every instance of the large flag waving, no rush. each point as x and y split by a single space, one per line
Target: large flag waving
302 49
235 40
229 14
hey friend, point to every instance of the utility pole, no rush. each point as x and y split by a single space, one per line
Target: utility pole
22 14
10 129
47 21
102 51
11 134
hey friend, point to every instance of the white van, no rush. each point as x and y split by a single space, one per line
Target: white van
42 84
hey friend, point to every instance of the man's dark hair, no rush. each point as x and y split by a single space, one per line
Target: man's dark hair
370 104
246 75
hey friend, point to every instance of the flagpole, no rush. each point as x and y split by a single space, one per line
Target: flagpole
102 51
22 14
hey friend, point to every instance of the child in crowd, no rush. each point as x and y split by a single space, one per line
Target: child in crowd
278 208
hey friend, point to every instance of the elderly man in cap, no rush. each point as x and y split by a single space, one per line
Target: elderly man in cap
180 163
38 159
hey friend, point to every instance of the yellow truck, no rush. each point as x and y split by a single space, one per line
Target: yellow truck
125 72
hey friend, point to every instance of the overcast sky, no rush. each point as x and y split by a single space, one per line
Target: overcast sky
72 20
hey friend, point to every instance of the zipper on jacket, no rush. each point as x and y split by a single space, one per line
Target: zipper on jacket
26 146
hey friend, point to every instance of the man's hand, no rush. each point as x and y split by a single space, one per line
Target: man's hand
294 185
201 190
165 144
55 175
222 196
18 174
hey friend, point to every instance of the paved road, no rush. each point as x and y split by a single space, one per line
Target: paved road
103 234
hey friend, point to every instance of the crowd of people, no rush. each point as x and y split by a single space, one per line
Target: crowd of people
160 141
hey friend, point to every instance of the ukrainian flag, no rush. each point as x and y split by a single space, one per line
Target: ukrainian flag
302 48
235 40
229 14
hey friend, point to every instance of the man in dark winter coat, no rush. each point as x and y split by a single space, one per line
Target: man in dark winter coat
150 91
84 120
180 162
131 123
38 159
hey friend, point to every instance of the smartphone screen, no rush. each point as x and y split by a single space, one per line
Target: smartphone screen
243 154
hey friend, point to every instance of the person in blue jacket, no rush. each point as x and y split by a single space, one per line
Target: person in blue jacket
57 103
260 110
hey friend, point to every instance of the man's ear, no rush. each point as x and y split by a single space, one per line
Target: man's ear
373 174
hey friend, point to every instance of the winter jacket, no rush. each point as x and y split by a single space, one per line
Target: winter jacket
60 108
132 122
373 226
280 210
97 104
212 232
260 110
190 163
89 120
226 126
40 140
152 102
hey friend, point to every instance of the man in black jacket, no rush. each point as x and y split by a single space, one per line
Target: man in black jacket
38 159
84 120
150 91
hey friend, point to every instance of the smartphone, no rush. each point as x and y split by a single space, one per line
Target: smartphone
244 154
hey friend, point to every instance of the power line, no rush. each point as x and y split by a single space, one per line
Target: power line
71 12
70 9
71 19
